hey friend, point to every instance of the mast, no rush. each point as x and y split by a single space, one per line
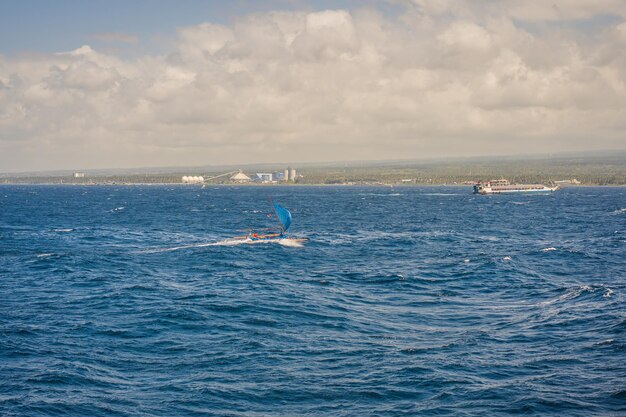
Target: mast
282 228
284 216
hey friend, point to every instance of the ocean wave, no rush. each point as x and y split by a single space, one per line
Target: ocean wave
263 329
381 194
291 243
373 235
579 291
288 242
440 194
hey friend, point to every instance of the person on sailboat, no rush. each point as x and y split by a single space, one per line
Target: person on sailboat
284 218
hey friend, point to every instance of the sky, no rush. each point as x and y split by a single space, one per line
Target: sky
122 84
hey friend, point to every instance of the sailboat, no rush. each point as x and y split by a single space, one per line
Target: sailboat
284 218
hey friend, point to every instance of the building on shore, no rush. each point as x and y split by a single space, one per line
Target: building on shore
288 174
79 175
191 179
240 178
563 183
264 177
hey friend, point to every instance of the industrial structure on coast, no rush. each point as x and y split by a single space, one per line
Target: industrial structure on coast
563 171
239 177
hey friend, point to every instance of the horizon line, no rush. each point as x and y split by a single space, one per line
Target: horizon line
172 168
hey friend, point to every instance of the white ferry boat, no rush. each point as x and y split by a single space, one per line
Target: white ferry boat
503 186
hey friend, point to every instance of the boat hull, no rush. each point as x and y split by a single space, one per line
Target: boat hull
542 191
272 239
504 187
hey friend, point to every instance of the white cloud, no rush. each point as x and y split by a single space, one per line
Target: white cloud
466 35
620 32
445 78
553 10
199 42
83 75
563 9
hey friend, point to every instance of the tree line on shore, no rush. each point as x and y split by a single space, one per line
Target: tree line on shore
607 171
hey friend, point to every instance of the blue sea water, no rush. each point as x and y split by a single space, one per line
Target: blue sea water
133 301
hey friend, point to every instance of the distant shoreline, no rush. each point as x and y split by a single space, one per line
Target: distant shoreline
161 184
573 171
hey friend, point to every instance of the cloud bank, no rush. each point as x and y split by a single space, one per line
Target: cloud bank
441 78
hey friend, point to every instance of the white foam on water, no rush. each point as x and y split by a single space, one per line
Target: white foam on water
117 209
506 258
63 230
548 249
573 293
175 285
619 211
466 261
45 255
605 342
382 194
196 245
293 243
440 194
289 242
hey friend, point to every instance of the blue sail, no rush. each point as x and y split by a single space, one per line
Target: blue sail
283 215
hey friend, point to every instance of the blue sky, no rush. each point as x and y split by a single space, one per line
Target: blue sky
63 25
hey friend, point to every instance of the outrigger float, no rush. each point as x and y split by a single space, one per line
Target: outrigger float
284 218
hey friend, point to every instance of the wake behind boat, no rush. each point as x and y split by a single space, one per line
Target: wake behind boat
284 218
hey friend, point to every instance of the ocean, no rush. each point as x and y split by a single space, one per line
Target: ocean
135 301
